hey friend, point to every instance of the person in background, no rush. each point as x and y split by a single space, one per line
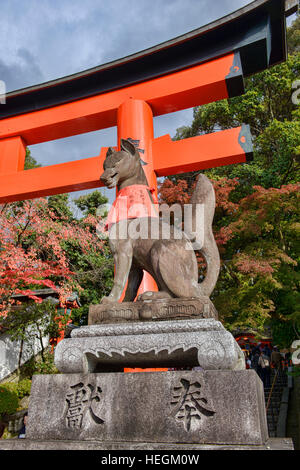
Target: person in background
264 363
267 351
248 360
254 361
276 358
22 431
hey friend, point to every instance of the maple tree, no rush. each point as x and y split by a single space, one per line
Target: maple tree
257 240
36 238
259 283
25 238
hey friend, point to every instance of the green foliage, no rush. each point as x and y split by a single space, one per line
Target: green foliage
95 276
11 393
34 322
30 162
293 35
295 372
89 203
21 389
30 321
40 366
283 333
9 401
59 204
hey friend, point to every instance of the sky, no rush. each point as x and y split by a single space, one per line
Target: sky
43 40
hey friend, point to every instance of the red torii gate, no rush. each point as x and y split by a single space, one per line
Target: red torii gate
67 107
131 109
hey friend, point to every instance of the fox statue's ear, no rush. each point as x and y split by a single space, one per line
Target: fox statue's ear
128 146
109 151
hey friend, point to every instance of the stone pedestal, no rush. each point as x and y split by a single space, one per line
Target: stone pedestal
218 406
187 407
182 343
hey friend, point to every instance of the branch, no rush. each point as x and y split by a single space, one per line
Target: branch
287 172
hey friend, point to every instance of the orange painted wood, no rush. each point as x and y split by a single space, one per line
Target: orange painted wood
180 90
54 179
135 121
12 155
169 157
197 153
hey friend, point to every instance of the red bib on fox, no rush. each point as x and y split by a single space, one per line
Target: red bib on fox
133 202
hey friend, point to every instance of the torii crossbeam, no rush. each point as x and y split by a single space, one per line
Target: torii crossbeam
203 66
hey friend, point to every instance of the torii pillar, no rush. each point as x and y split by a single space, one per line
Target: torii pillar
135 121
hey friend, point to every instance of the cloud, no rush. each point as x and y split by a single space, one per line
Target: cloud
22 72
48 39
66 36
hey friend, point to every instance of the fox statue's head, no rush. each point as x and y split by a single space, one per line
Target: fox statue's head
123 168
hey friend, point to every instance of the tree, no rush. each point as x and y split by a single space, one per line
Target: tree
34 323
293 36
257 204
35 249
30 162
29 255
259 283
89 203
93 270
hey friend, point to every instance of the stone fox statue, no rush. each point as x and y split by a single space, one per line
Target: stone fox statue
171 262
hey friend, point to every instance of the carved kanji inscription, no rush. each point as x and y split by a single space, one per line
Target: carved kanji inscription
190 404
80 398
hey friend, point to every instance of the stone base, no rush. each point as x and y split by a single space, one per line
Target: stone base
28 444
156 309
211 408
167 344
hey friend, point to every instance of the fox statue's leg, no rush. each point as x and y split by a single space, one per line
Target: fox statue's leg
175 265
123 252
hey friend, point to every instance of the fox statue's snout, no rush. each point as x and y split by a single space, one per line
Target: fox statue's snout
109 178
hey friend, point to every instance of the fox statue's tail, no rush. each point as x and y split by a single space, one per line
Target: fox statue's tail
204 194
